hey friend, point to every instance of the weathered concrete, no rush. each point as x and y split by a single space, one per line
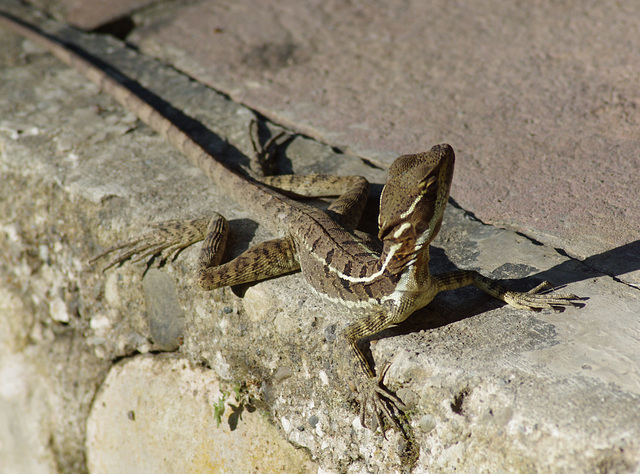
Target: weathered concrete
158 414
489 388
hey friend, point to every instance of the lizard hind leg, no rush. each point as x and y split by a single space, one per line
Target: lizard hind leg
351 191
262 162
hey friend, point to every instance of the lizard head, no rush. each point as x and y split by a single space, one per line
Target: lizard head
413 200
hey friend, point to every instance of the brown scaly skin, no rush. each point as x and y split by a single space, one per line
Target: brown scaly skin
384 288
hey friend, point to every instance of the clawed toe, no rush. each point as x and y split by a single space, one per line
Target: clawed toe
382 402
540 298
168 238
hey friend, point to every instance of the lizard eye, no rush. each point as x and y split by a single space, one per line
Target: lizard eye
426 182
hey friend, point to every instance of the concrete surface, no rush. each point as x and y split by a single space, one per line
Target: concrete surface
489 388
154 403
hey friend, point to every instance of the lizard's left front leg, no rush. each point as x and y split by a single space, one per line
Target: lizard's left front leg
264 260
534 299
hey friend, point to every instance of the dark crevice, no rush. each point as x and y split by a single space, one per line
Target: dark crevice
371 164
337 150
557 249
467 214
119 28
458 401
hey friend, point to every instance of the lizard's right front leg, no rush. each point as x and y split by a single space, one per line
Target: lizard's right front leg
372 394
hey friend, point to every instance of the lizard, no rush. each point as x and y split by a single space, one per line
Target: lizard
384 286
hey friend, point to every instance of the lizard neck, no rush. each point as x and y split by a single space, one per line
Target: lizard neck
414 287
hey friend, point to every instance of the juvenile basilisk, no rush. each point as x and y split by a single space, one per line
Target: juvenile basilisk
383 286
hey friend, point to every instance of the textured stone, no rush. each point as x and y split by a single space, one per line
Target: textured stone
158 414
165 314
25 422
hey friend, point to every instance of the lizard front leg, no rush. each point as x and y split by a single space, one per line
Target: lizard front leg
267 259
372 394
532 299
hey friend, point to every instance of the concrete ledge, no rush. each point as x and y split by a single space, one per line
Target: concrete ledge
158 414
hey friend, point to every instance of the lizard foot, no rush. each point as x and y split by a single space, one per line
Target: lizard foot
263 160
384 403
170 237
539 298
